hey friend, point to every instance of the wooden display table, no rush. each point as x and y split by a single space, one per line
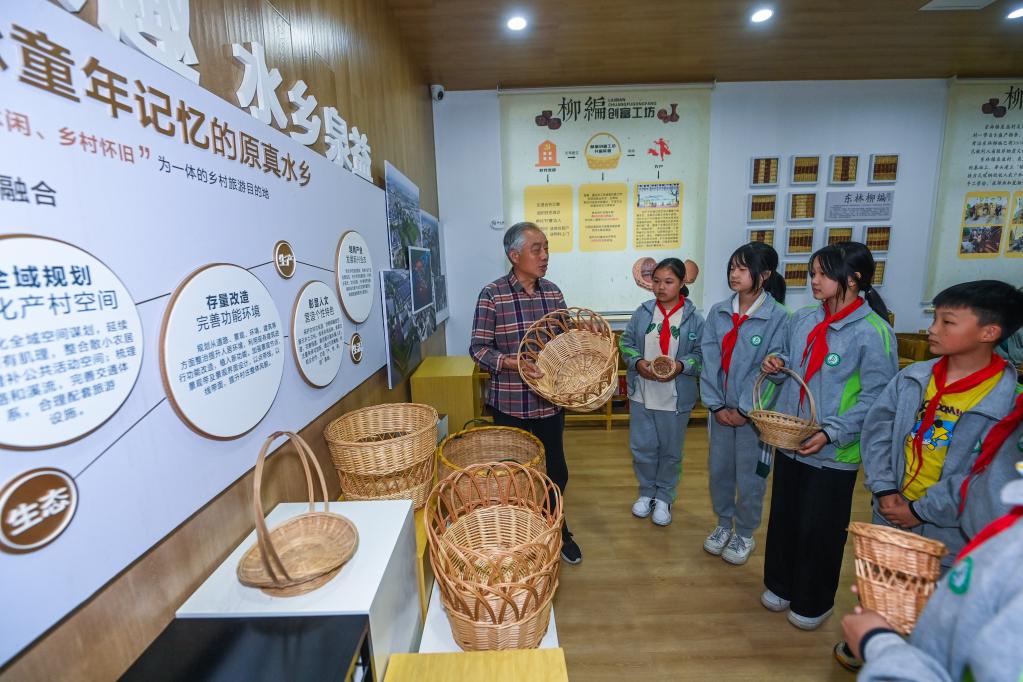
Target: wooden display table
379 580
449 384
515 665
424 571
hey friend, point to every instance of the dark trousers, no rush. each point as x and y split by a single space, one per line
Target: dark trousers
806 534
549 431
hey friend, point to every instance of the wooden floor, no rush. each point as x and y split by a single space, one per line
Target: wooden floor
648 603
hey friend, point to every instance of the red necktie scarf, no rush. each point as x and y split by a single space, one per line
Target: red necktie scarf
940 373
728 341
997 526
665 338
993 441
817 341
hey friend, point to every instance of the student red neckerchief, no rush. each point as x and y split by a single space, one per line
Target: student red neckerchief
994 439
997 526
728 341
817 341
940 373
666 326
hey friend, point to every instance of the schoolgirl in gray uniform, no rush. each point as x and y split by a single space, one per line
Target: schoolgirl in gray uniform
846 353
659 408
739 333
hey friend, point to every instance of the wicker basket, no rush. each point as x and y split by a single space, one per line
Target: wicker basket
385 452
662 366
575 349
895 571
304 552
482 445
783 430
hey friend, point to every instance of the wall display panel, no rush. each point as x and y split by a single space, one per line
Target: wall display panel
317 333
796 274
96 171
610 175
840 234
799 241
805 169
356 281
802 206
764 171
762 208
758 235
978 221
844 168
878 238
884 169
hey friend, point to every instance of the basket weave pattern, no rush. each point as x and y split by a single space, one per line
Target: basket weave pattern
482 445
304 552
896 571
385 452
494 535
783 430
576 351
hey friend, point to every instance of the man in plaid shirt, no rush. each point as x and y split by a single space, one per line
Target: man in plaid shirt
504 311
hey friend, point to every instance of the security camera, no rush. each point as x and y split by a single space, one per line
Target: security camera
437 92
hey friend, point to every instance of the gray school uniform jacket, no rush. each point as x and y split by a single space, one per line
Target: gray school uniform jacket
971 627
890 420
690 328
762 334
862 358
983 497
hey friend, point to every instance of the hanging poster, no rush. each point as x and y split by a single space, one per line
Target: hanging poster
610 175
976 234
422 278
401 337
403 219
355 281
432 238
317 333
220 351
70 342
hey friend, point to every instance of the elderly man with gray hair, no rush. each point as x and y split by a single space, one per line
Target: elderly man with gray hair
504 312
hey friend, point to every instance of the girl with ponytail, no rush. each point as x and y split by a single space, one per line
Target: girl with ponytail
845 351
739 333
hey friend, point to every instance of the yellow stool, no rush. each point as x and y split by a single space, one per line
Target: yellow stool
513 665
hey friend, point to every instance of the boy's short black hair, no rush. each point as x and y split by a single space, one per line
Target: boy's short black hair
991 300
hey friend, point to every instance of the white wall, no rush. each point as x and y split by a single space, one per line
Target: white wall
747 119
829 117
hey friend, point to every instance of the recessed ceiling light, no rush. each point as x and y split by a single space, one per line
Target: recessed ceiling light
1015 14
517 23
761 15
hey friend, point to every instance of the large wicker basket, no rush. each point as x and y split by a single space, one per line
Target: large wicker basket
781 430
304 552
385 452
485 444
895 571
576 351
525 632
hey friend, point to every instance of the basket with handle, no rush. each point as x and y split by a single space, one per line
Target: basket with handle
385 452
777 428
304 552
896 571
576 351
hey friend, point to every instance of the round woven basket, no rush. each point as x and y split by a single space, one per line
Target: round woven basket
576 351
385 452
485 444
304 552
896 571
783 430
662 366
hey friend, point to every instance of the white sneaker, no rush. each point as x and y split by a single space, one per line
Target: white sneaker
804 623
717 540
641 507
738 549
773 602
662 513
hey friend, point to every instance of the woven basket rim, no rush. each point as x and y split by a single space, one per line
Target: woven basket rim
328 435
262 579
897 537
465 432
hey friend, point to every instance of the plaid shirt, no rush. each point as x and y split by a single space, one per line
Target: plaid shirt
504 312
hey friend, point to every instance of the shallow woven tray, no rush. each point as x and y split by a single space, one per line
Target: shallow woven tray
777 428
662 366
305 551
896 571
576 351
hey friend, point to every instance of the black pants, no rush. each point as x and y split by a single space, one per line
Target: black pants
549 431
806 534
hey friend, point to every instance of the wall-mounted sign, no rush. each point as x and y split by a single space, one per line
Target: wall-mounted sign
36 507
317 333
861 204
284 259
220 351
355 276
70 342
355 347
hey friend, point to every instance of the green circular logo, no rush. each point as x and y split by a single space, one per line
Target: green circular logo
757 340
1019 444
692 336
832 359
959 576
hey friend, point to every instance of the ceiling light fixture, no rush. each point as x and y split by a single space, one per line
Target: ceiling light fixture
761 15
1015 14
517 23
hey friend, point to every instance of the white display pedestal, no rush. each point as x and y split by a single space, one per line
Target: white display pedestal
437 638
379 580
